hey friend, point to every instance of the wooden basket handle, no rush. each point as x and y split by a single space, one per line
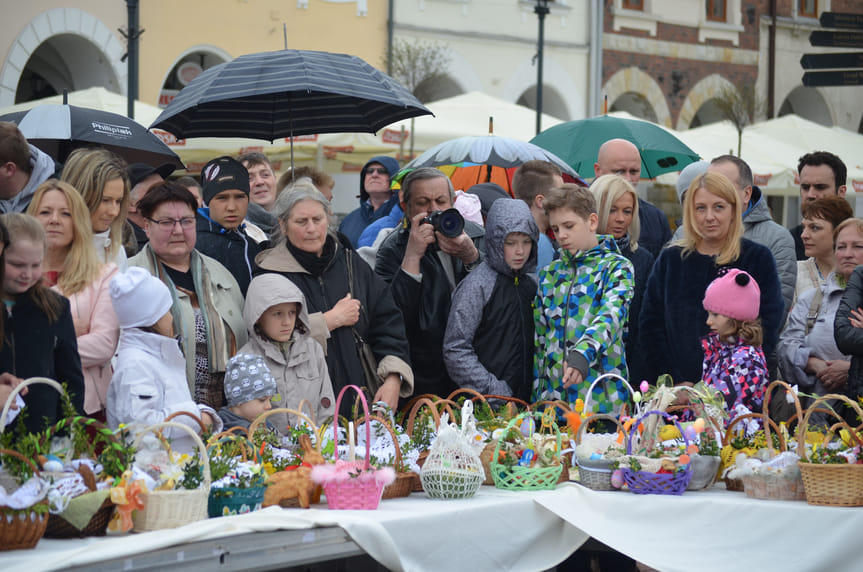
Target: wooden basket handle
396 444
765 406
308 405
20 387
475 395
587 420
202 449
804 426
260 419
21 457
246 447
197 419
419 404
729 430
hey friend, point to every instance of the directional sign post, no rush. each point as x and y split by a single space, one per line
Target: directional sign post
835 78
841 20
847 66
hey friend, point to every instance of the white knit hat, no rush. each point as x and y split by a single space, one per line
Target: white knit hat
139 298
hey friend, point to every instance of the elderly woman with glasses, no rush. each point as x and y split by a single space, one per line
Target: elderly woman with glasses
208 304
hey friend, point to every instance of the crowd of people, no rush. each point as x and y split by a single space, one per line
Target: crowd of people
226 295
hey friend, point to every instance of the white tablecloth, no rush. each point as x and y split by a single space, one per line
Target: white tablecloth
715 530
495 530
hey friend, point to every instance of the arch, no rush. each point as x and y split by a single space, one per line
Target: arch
461 73
807 102
635 81
701 93
71 38
552 101
438 88
206 56
709 112
636 104
556 80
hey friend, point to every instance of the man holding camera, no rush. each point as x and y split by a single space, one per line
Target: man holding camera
423 261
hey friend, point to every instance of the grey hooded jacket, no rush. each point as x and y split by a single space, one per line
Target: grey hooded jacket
488 345
300 369
43 169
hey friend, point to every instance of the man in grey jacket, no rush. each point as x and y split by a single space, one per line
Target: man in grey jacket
23 168
758 225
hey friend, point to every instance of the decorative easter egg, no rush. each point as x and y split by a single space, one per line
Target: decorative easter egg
53 465
644 386
699 425
636 397
684 459
595 456
617 478
528 426
690 432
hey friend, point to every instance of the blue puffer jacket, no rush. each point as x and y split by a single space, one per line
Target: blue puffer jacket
356 221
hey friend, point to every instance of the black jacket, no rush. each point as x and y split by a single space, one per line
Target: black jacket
425 305
232 248
642 263
380 323
655 232
849 339
36 348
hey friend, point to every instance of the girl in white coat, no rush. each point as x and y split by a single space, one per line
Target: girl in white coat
149 382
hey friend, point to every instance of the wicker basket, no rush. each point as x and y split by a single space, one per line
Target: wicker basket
59 527
413 407
595 474
737 484
642 482
772 486
354 493
611 376
317 490
518 478
170 509
452 472
404 483
830 485
21 529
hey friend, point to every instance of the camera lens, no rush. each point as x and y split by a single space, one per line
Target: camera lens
450 223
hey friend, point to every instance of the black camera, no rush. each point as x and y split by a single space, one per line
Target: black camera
449 223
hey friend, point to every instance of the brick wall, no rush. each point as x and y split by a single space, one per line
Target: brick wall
676 77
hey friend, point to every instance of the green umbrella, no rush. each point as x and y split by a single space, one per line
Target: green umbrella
577 143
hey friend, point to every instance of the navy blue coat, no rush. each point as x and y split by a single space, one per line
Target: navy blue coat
642 264
34 347
655 232
673 320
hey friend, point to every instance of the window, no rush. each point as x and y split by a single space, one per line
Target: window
807 8
716 10
633 5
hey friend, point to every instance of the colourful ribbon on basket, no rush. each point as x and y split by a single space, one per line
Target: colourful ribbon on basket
127 497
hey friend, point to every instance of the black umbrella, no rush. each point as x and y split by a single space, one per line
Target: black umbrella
271 95
59 129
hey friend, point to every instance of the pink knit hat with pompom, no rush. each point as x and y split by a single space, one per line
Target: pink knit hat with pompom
734 294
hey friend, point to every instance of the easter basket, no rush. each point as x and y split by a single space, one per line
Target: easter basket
422 432
656 483
729 452
522 476
22 526
302 491
403 485
595 473
770 482
830 484
59 525
453 469
705 467
352 484
173 508
231 499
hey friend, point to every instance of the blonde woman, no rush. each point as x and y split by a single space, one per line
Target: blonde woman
617 207
72 269
101 178
673 320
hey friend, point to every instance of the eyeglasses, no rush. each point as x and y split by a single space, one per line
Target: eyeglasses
167 225
378 170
